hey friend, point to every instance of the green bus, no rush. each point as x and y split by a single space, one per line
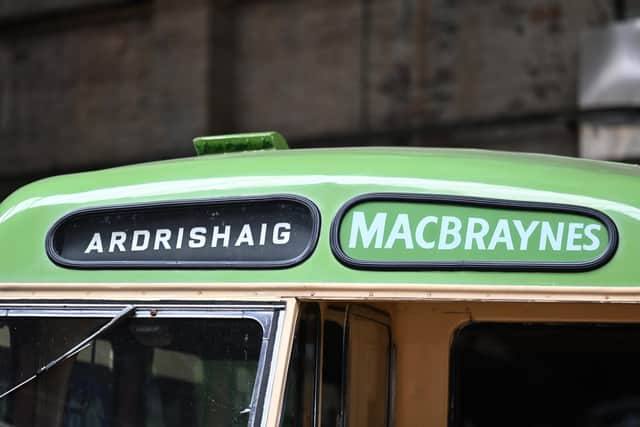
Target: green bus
261 286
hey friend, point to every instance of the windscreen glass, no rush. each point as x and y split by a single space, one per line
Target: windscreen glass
552 375
143 372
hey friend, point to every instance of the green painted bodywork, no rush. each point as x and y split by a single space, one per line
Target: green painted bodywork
329 178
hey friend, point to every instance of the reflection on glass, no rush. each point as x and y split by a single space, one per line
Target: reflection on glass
300 392
27 344
332 374
145 372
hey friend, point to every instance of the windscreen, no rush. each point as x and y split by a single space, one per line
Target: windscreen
143 372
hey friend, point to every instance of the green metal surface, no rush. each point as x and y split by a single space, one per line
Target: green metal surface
329 178
219 144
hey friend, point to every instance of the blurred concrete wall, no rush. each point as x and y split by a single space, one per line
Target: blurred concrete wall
427 61
93 83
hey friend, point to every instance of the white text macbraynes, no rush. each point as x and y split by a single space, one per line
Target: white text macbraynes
192 237
471 233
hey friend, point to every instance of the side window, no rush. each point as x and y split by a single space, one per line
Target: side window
356 365
301 388
545 374
356 350
332 368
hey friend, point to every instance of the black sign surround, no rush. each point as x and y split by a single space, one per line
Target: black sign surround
263 232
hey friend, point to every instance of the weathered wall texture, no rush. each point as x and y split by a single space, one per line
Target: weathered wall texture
90 83
126 85
424 61
297 66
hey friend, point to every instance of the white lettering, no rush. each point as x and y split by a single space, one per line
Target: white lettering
547 236
95 244
420 232
197 237
588 233
117 240
359 228
525 234
451 226
217 235
573 235
263 234
478 236
136 245
245 236
501 234
162 238
401 231
179 238
281 237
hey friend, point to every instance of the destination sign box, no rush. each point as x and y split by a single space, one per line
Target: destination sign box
258 232
434 232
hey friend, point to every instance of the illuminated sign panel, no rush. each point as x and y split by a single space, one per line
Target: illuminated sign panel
422 232
260 232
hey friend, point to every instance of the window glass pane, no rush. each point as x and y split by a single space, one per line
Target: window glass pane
368 373
144 372
560 375
27 344
301 379
332 374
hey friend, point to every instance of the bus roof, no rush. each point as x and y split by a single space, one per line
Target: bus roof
329 178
